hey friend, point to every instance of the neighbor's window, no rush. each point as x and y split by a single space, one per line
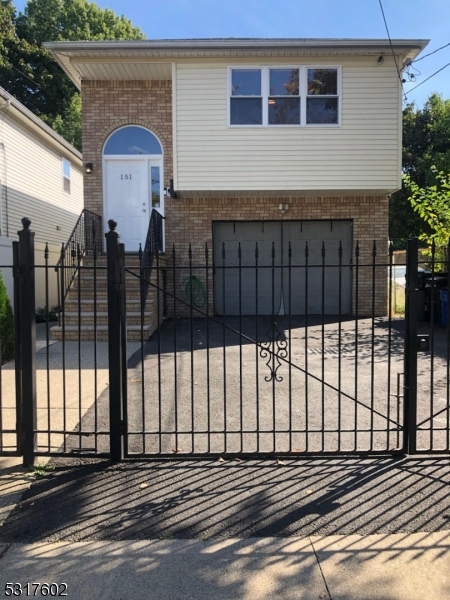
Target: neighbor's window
66 175
284 96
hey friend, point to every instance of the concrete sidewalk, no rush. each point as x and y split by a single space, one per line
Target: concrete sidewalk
414 566
376 567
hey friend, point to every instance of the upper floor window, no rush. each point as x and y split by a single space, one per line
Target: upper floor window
322 101
66 175
285 96
132 139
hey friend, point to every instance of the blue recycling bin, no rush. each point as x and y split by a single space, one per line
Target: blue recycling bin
444 304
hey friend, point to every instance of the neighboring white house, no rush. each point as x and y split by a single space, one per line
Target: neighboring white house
41 177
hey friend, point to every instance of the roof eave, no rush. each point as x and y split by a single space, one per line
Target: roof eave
61 51
33 122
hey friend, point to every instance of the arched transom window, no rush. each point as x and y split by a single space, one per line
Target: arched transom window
132 140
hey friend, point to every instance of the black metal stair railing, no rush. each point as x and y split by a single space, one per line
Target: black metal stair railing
85 240
154 244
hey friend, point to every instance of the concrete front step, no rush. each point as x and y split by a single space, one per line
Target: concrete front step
101 318
79 303
88 295
130 259
87 304
102 282
89 333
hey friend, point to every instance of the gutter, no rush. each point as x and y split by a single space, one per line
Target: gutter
234 44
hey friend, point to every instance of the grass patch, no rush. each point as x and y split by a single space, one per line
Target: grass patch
398 299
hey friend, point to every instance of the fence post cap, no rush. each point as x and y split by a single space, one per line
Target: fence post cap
112 233
26 222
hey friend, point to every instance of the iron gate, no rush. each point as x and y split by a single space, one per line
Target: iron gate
279 383
375 381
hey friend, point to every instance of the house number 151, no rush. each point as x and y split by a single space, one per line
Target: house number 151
125 176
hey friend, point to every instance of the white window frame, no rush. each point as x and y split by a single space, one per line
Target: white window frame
64 177
303 88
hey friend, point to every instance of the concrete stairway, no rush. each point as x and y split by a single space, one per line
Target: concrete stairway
85 320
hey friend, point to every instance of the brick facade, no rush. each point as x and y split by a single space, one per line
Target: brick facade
190 221
108 105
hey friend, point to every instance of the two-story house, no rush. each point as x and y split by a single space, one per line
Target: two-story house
238 142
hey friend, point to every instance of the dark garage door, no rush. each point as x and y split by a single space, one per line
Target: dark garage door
264 281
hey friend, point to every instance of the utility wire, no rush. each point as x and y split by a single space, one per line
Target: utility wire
22 73
46 92
430 53
419 84
390 42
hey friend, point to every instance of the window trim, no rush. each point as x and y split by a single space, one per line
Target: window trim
303 88
64 177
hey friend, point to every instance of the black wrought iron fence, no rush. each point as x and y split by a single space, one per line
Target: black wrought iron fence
85 240
154 244
236 351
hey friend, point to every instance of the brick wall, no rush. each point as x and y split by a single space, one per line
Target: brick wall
108 105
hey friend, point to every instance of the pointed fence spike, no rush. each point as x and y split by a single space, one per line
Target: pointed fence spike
46 252
190 251
306 250
290 250
357 249
273 249
391 248
239 251
374 249
340 249
257 250
206 250
173 251
63 251
323 250
223 250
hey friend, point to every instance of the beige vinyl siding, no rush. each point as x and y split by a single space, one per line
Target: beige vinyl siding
363 153
32 184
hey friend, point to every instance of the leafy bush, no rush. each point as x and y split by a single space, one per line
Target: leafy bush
6 324
41 314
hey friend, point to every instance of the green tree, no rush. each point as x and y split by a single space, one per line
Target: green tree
426 142
432 204
55 20
28 71
6 324
68 125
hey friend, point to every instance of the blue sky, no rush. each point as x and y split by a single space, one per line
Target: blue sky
425 19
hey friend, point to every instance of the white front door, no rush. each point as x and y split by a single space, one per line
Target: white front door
127 200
